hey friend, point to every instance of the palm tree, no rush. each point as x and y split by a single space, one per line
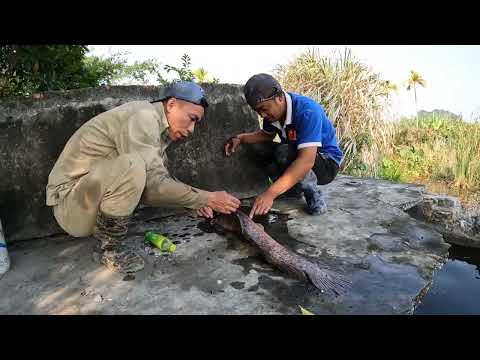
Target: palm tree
412 82
201 74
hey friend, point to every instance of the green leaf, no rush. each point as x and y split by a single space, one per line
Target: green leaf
305 311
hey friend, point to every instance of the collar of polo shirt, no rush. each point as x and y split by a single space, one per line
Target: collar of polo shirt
288 117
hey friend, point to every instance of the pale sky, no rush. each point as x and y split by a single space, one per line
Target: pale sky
452 72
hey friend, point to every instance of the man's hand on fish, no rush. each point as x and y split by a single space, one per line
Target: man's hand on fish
262 204
222 202
205 212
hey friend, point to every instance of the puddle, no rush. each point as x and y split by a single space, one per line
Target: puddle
205 226
237 285
456 286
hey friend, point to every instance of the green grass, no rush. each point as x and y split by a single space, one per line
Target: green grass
438 151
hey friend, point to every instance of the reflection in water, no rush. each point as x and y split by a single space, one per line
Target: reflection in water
456 287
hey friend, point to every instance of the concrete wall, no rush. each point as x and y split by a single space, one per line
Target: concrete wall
33 132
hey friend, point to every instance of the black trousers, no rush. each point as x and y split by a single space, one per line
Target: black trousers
277 158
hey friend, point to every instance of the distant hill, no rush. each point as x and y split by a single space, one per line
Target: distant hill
439 113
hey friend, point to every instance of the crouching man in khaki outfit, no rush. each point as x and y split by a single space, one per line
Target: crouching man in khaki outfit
117 159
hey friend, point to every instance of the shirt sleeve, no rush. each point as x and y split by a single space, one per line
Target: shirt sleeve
141 135
309 133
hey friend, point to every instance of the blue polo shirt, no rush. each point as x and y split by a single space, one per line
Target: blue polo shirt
306 124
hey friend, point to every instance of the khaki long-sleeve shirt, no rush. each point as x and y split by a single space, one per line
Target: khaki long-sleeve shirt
135 127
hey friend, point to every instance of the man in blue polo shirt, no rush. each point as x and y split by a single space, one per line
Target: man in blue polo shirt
308 154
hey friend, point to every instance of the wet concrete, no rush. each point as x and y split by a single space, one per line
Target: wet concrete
366 234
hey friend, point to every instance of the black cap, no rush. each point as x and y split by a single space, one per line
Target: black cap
184 90
261 87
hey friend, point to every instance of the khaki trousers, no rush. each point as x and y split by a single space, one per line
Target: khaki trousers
114 186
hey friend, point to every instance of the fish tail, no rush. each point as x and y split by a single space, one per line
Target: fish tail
327 280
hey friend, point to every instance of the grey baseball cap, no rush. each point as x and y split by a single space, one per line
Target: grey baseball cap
184 90
261 87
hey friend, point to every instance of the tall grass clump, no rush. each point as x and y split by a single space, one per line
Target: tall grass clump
353 97
467 156
437 150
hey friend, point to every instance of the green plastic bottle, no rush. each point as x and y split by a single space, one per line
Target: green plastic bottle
160 241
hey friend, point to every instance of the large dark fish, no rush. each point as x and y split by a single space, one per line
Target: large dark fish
291 263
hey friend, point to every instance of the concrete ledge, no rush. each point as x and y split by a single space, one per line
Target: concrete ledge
390 256
34 131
